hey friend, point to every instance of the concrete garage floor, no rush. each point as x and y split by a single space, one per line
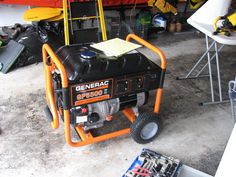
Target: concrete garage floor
194 134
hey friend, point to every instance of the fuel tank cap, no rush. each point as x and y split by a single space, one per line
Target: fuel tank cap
88 54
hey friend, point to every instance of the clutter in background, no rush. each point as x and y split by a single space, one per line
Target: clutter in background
9 54
195 4
48 24
159 21
165 9
144 23
150 163
84 22
21 45
30 39
165 6
158 16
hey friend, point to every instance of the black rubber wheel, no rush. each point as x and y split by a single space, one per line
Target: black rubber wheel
145 128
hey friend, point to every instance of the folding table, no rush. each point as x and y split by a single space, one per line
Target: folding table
203 21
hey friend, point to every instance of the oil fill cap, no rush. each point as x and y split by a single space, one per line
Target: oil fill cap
88 54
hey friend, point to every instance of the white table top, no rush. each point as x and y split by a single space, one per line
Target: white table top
227 164
209 29
187 171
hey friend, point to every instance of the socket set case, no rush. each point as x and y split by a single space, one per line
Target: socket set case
153 164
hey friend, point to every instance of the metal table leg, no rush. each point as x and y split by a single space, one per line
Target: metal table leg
188 76
218 71
213 56
210 72
199 74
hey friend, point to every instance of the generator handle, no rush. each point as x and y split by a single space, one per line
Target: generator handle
159 91
153 48
49 66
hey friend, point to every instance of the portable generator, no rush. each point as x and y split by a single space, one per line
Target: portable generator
228 24
85 89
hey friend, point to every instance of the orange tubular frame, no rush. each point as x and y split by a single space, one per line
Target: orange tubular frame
159 52
51 63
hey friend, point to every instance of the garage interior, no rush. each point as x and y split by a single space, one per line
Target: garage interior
196 135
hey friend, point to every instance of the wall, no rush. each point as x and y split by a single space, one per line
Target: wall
11 14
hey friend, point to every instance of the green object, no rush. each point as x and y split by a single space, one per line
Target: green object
144 18
1 43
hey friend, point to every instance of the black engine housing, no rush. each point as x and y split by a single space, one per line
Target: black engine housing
93 77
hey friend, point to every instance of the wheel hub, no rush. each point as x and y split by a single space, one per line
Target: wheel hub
149 131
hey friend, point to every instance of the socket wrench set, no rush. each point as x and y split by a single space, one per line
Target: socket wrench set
153 164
